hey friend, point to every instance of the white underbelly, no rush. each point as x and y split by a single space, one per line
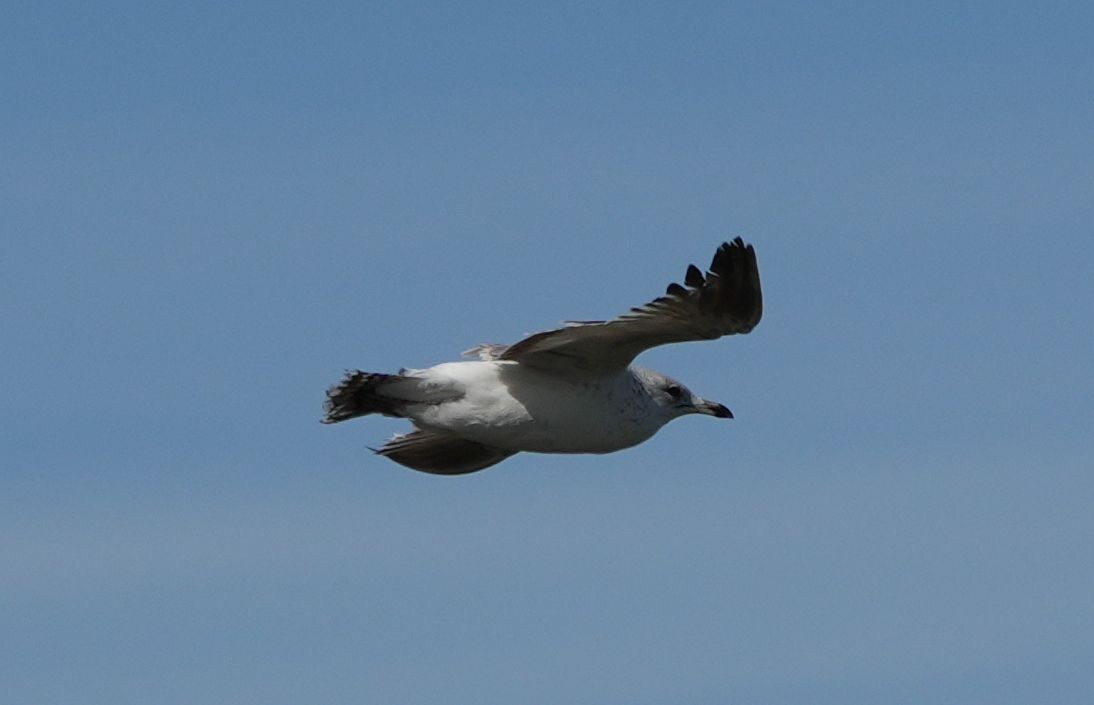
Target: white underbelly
554 435
542 414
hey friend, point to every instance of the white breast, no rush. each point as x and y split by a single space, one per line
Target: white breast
509 406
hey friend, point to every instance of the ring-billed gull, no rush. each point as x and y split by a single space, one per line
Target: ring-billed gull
568 390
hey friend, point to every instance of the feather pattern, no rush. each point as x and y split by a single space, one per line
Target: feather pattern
724 301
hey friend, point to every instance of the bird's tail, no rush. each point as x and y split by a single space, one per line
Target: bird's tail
358 395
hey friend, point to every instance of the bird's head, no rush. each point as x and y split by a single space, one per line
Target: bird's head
675 400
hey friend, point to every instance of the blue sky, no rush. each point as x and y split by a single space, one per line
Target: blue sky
211 211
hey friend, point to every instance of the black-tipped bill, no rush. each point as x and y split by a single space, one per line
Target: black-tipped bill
715 409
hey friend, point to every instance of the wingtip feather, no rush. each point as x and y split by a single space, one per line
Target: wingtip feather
693 278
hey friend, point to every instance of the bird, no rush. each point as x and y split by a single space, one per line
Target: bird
572 389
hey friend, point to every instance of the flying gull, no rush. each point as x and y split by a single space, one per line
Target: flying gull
568 390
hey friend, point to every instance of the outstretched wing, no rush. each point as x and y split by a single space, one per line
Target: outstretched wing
726 300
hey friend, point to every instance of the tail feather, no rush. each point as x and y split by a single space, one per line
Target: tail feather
357 395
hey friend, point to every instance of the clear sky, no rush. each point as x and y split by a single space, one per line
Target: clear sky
210 210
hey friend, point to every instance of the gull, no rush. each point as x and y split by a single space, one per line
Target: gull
568 390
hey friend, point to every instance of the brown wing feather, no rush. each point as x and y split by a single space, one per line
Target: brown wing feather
441 455
725 301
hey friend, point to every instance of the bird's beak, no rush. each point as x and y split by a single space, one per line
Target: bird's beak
712 408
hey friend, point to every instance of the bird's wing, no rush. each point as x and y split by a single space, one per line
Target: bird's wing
441 455
725 301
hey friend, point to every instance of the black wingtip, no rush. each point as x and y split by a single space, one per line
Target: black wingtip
693 278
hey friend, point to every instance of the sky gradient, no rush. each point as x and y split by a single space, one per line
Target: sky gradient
210 212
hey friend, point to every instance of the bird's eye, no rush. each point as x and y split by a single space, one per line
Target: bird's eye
674 391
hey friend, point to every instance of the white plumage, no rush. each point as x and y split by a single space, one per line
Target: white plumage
568 390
